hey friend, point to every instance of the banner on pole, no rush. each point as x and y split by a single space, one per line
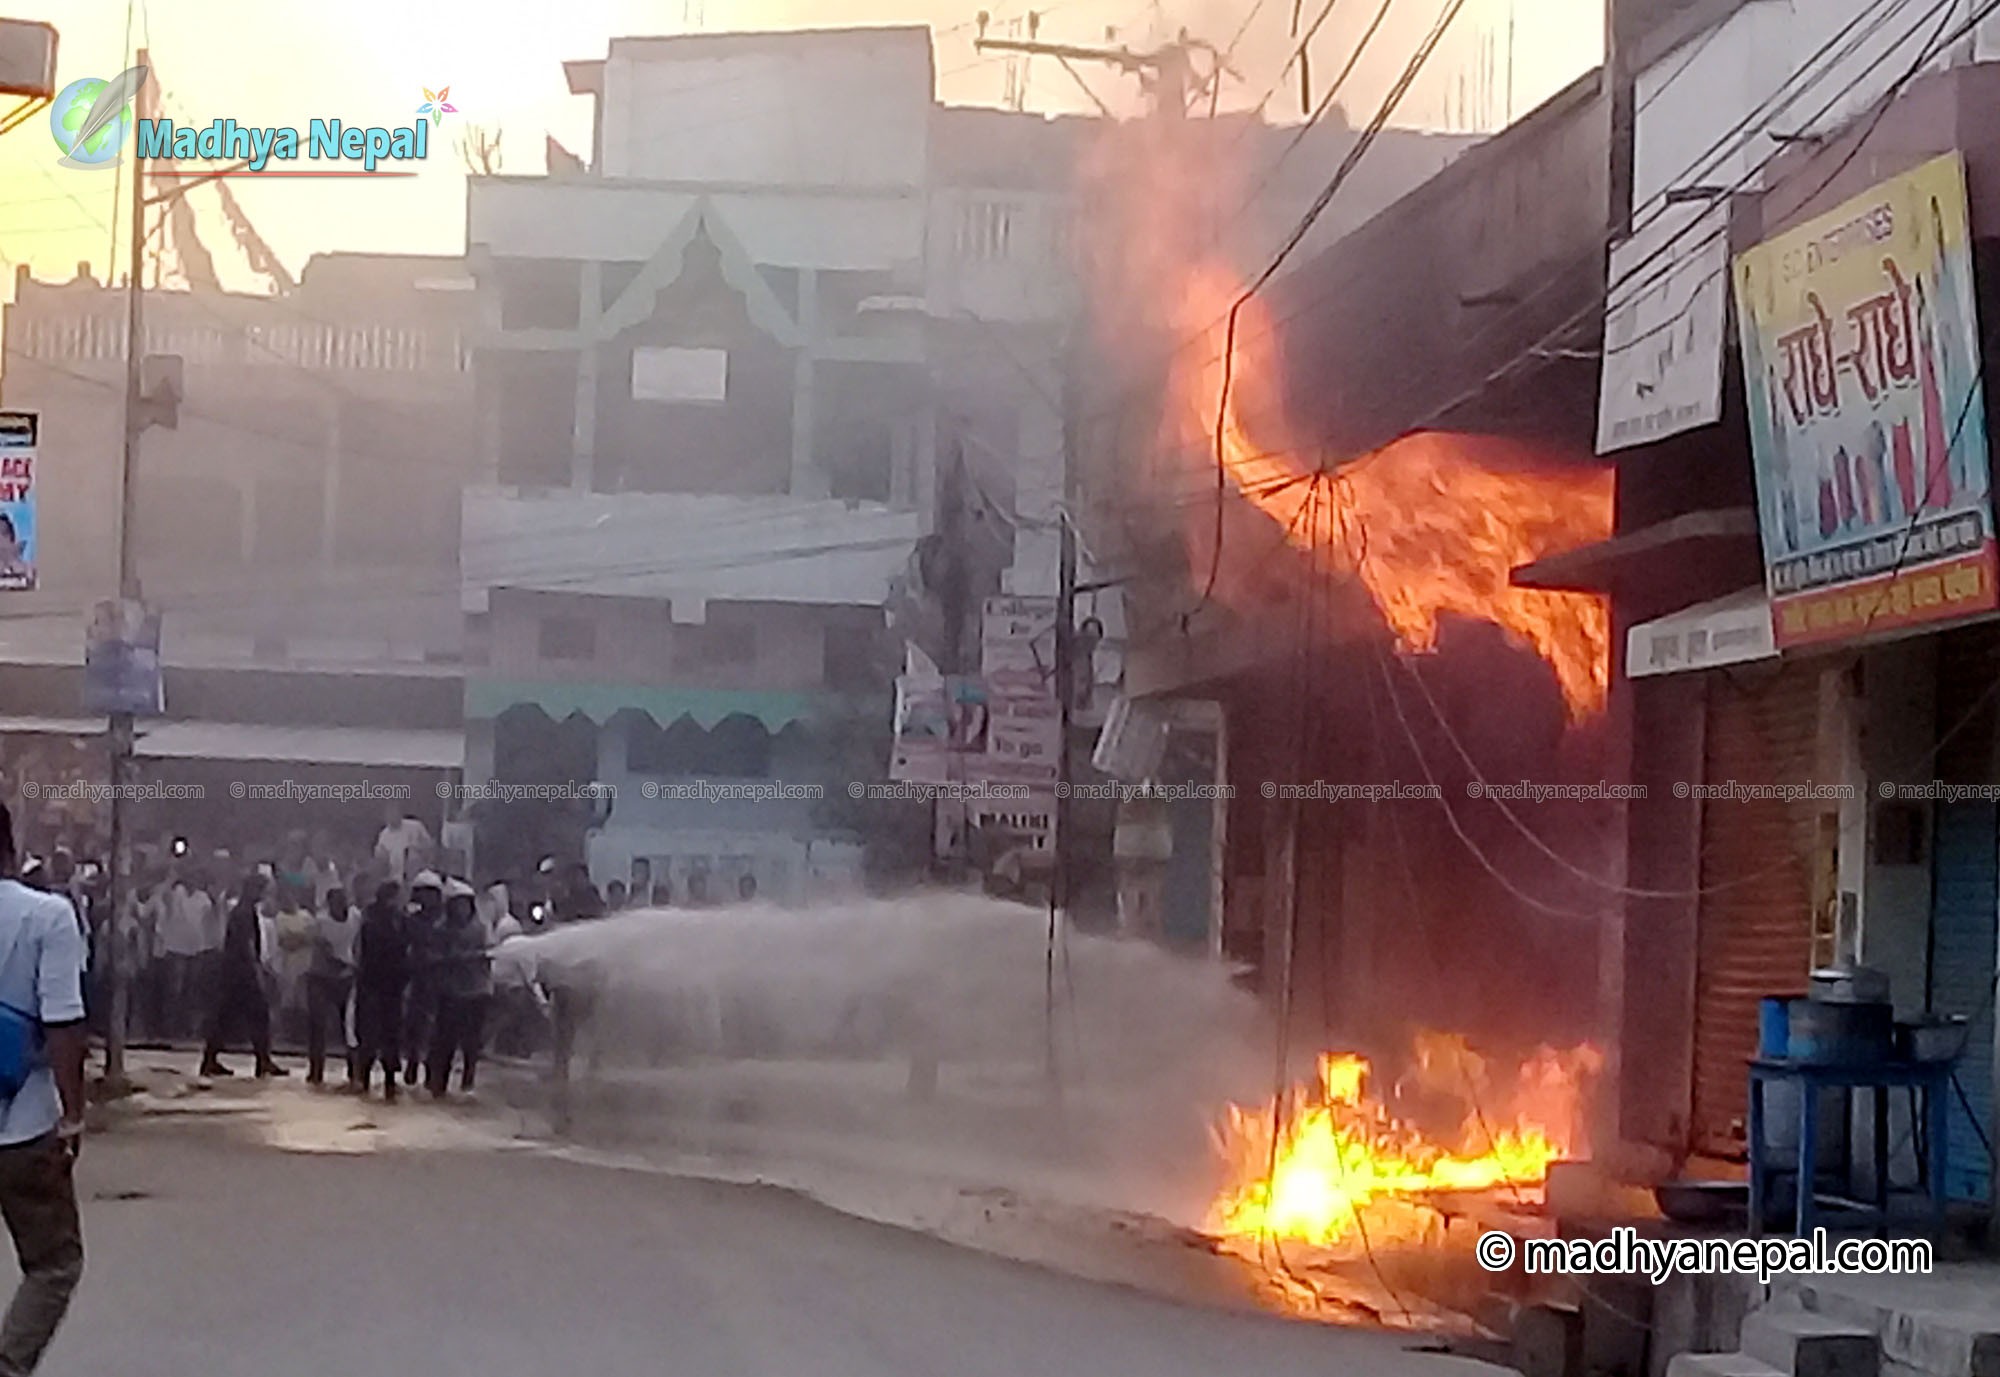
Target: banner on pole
20 545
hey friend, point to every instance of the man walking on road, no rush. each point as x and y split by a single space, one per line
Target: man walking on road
41 1125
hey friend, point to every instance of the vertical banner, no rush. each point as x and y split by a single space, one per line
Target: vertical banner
121 659
1861 360
20 550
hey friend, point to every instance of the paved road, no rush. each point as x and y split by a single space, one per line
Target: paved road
237 1259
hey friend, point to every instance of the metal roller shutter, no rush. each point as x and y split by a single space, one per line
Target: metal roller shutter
1967 898
1965 905
1755 931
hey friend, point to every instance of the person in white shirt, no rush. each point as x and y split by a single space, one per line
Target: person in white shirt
403 844
185 935
329 984
41 1125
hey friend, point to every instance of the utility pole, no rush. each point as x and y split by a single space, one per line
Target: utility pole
948 814
119 889
1166 73
1060 895
142 409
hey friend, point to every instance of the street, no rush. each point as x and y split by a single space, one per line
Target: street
214 1256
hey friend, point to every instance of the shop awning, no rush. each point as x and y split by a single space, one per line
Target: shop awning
1728 631
375 746
52 726
1599 567
487 698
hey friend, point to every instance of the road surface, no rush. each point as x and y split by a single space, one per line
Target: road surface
209 1255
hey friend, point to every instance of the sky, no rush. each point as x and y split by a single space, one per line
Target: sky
287 62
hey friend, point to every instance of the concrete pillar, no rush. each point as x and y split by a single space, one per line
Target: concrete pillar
583 447
807 481
1840 718
330 484
479 748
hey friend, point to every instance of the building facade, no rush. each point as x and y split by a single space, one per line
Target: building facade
296 528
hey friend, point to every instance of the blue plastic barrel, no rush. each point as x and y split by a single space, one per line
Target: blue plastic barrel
1774 1027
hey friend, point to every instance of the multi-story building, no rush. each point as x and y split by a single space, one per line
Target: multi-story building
793 318
297 528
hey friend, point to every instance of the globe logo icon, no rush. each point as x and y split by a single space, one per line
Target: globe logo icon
66 118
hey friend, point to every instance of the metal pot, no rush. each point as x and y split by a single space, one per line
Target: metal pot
1825 1034
1850 985
1939 1037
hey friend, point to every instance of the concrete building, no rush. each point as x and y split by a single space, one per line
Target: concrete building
297 528
1729 152
730 382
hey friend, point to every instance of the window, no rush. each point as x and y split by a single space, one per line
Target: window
566 638
188 522
850 660
540 295
985 231
287 522
716 645
737 747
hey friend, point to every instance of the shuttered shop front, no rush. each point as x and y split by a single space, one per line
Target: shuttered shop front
1965 904
1755 930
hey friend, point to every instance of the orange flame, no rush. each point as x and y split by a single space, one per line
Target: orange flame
1340 1149
1431 524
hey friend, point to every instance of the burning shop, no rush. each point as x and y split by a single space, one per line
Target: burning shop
1346 466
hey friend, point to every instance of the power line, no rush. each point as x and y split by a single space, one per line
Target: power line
1390 101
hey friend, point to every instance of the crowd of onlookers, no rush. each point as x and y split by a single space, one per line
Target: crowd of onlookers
308 946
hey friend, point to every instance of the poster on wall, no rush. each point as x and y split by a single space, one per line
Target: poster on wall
1867 416
121 660
1662 369
20 550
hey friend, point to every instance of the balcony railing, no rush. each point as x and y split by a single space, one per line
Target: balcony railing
100 337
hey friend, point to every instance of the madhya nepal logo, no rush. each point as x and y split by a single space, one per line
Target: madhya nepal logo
91 120
91 116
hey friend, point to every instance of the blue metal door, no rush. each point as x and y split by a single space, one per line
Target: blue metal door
1964 912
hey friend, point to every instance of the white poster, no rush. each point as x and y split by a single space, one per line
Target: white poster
679 375
1017 645
1663 327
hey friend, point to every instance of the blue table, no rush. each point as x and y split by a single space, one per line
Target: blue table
1930 1078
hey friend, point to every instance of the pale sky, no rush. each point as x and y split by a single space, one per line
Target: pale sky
286 62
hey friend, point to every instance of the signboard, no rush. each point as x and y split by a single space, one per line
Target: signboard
1662 369
1867 417
1017 645
1023 741
20 550
121 660
955 730
1728 631
941 730
679 375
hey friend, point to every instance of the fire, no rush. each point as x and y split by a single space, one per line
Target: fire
1340 1147
1432 524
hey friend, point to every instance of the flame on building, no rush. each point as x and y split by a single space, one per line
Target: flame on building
1342 1150
1433 524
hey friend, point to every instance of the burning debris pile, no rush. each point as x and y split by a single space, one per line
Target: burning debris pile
1345 1151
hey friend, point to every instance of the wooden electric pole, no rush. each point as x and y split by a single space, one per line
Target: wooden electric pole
1166 73
119 887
